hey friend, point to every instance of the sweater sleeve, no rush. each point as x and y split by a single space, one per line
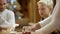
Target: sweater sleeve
45 21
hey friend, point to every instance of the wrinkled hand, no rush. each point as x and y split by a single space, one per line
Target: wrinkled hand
34 27
28 28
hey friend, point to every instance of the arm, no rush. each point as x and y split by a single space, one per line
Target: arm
45 21
8 23
40 24
55 22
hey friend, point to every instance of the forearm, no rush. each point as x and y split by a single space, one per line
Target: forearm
41 24
47 29
45 21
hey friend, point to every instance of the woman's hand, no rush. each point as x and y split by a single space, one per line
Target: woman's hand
34 27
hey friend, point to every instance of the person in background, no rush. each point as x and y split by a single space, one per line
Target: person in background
51 23
7 18
45 10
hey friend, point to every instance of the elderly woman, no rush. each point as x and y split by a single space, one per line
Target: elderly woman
51 23
54 23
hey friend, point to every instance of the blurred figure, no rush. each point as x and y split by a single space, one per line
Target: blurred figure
45 10
7 19
51 23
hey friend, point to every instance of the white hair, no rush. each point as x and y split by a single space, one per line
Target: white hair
49 3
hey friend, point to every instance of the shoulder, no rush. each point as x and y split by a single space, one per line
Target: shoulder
9 11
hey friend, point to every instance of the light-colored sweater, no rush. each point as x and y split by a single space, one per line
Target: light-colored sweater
7 19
